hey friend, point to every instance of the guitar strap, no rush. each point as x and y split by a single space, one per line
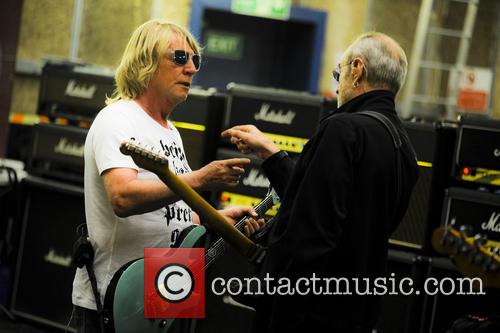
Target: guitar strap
396 139
83 255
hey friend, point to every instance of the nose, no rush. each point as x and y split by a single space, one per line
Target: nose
189 68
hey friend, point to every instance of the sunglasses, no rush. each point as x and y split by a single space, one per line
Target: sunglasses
336 71
181 58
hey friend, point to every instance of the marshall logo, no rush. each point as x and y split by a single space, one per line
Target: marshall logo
493 224
255 179
80 91
65 147
56 259
267 114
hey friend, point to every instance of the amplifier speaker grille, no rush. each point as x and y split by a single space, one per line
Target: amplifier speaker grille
44 276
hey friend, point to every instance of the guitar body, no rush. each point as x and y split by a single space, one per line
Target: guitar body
124 303
124 300
191 236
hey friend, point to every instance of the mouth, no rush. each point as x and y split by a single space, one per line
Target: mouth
185 84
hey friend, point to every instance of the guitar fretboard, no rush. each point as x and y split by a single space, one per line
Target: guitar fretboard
219 246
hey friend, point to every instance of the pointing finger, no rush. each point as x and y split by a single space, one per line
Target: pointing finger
237 162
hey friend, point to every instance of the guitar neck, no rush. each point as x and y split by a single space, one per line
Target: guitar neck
209 215
219 246
157 163
261 208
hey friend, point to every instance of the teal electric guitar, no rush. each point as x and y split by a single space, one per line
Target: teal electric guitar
123 310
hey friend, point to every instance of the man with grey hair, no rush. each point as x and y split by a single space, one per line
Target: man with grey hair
342 200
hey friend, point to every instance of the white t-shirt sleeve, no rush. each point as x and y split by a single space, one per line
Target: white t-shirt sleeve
111 130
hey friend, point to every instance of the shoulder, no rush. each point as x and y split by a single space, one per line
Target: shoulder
175 132
116 110
119 113
342 125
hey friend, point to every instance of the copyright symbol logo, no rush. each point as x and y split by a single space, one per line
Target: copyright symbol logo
174 282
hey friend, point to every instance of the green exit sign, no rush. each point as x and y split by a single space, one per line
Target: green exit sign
222 44
277 9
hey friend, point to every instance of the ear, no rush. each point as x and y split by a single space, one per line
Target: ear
357 69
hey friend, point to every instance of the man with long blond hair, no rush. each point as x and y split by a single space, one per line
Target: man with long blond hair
128 208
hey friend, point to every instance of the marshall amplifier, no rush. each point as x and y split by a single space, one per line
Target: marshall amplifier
73 91
252 187
456 301
289 118
480 210
199 121
44 275
57 152
434 144
477 154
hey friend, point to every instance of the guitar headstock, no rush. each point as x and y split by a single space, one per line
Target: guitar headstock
472 257
144 157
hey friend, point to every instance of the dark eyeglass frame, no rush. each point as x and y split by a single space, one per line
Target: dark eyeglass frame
181 58
336 71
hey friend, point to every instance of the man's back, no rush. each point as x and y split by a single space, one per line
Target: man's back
337 214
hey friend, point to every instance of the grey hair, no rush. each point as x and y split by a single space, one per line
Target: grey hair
384 67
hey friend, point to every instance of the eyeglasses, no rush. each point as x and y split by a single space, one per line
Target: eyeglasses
336 71
181 58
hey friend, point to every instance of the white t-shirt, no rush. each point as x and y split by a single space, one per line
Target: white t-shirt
116 240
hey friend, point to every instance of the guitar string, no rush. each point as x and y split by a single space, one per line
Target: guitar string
220 245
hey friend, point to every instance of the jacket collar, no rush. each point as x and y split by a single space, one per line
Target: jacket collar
375 100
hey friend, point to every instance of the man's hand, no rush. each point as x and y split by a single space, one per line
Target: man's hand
221 173
234 214
249 139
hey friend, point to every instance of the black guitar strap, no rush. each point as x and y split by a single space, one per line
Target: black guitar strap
83 255
396 139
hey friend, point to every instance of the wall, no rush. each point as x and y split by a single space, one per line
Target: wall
399 19
346 20
106 27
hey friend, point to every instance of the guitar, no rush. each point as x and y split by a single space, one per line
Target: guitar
191 235
472 257
124 300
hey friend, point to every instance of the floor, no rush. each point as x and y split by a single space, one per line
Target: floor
19 325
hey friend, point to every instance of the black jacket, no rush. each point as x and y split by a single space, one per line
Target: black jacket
337 212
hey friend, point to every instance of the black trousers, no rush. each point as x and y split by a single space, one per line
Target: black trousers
86 320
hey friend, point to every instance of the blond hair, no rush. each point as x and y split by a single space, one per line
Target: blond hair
141 57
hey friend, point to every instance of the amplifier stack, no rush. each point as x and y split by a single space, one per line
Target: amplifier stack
477 153
289 118
57 152
199 121
73 91
434 146
52 195
474 200
43 280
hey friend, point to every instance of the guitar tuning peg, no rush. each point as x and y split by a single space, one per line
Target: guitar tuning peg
453 222
480 239
466 230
